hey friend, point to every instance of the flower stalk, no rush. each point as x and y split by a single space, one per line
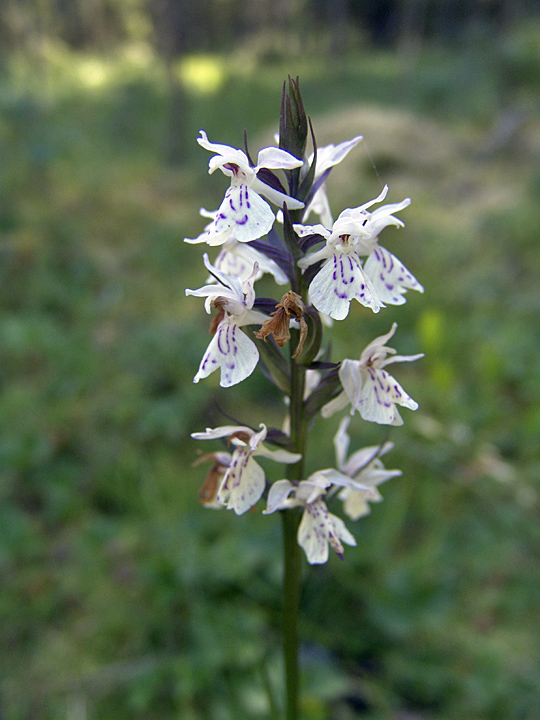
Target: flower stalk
292 570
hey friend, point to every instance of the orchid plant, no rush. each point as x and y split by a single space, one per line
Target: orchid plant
326 266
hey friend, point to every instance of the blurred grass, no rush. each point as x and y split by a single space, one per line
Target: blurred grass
121 597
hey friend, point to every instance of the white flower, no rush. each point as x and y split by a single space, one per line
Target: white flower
370 389
327 157
366 468
230 349
318 527
237 258
243 214
342 278
244 480
389 276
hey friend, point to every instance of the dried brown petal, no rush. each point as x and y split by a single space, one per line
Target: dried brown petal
290 307
216 320
303 336
210 487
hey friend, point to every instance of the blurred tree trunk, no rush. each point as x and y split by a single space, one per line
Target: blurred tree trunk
173 22
338 18
411 32
512 12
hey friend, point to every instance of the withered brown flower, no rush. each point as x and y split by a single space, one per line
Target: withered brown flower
289 308
209 490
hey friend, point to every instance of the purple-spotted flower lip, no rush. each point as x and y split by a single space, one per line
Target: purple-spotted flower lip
243 214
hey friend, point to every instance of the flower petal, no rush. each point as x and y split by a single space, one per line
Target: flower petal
277 159
337 533
383 216
278 495
377 345
335 405
340 280
243 484
341 443
219 432
275 196
379 396
355 502
313 534
330 476
352 381
361 459
232 351
279 455
389 276
331 155
228 154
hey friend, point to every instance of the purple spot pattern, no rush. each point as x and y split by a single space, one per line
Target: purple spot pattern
389 276
234 209
321 530
380 394
223 350
349 278
243 482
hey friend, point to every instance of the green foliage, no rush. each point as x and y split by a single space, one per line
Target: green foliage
120 596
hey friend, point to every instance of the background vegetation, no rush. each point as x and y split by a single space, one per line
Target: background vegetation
121 597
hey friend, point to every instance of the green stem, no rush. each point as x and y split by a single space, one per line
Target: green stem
291 601
292 558
292 554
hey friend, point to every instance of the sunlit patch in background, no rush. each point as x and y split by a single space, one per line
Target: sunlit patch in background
93 73
202 74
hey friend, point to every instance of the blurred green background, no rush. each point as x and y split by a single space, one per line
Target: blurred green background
121 597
